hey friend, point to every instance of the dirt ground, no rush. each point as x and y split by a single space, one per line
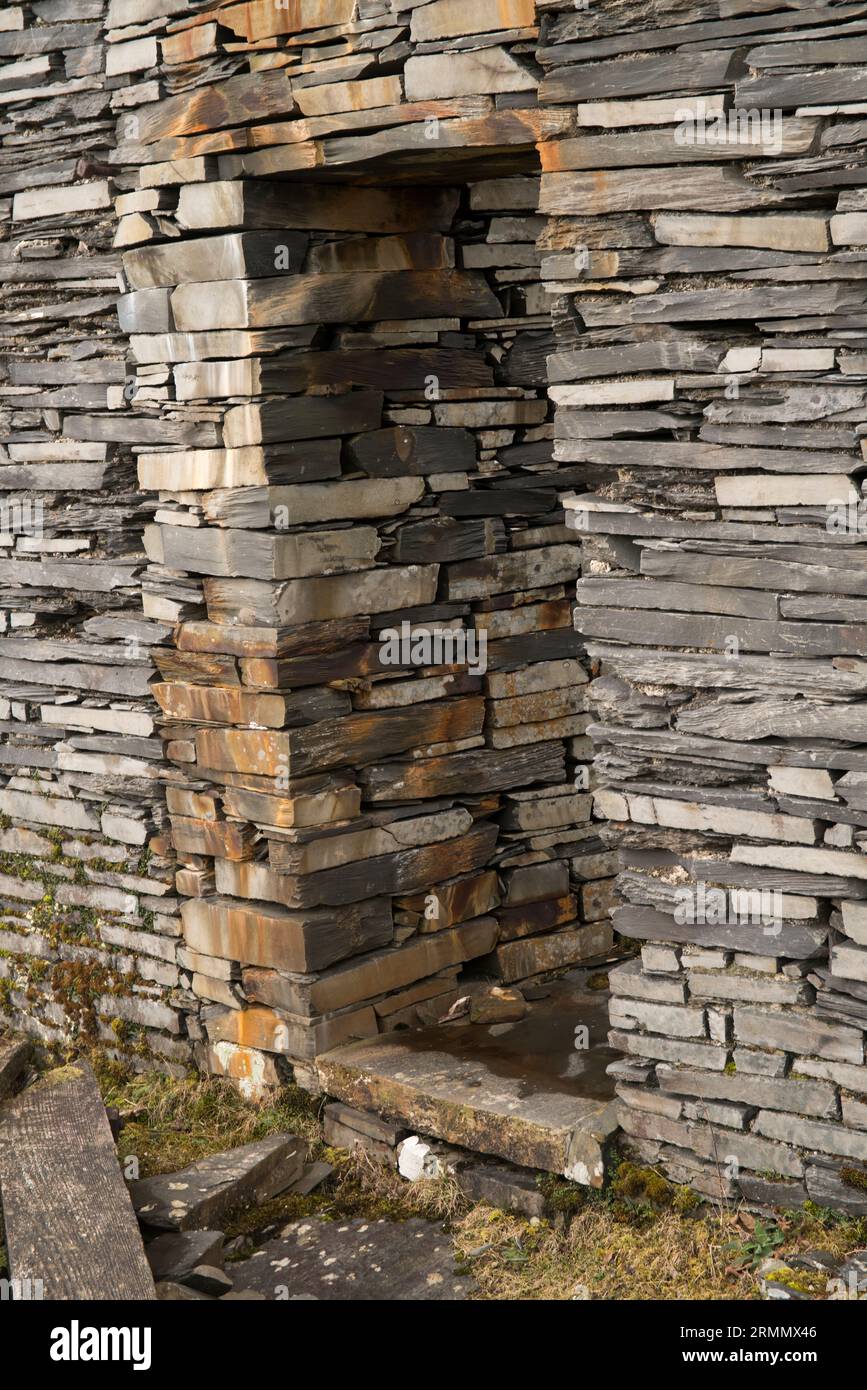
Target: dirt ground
640 1239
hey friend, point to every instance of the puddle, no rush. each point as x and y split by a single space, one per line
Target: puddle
541 1050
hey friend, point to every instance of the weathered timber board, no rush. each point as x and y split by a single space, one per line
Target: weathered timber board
68 1215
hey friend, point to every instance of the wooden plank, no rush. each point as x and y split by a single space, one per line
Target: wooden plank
69 1219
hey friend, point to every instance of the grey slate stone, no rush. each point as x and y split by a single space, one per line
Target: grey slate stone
206 1191
172 1256
769 1192
208 1279
510 1189
805 1097
14 1057
356 1261
798 1032
809 1134
841 1186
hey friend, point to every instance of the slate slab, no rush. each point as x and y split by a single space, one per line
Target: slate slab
511 1189
174 1255
204 1193
535 1092
356 1261
842 1186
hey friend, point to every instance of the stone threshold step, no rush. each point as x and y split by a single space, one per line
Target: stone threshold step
535 1092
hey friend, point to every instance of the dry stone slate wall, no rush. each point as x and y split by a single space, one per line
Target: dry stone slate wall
709 294
89 917
354 470
294 712
358 575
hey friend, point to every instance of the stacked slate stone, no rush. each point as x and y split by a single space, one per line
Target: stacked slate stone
89 914
707 267
353 468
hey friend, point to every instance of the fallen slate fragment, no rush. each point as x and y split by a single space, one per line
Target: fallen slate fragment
510 1189
355 1261
853 1276
344 1127
208 1279
773 1281
174 1255
822 1261
205 1192
313 1175
498 1004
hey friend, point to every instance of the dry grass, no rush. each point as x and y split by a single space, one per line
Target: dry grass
595 1246
170 1123
621 1250
601 1255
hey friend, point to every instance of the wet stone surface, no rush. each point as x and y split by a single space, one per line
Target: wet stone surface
535 1092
